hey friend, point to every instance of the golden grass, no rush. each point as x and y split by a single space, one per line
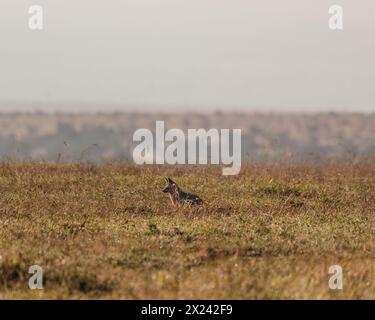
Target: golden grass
109 232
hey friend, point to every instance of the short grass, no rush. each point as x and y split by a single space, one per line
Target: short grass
108 231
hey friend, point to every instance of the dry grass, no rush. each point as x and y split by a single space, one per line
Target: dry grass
108 232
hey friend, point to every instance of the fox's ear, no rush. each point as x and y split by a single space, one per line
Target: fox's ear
168 180
171 181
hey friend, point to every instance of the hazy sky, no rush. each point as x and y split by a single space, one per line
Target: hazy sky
190 54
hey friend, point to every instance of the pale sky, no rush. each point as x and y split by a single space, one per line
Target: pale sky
174 55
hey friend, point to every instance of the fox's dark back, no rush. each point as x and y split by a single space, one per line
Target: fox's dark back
179 196
190 198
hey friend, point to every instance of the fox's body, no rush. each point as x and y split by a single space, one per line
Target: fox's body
179 197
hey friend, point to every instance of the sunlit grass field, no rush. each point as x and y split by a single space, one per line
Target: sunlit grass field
102 232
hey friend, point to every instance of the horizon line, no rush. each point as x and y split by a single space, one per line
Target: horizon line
101 107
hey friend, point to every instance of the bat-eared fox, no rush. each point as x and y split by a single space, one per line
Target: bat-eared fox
179 197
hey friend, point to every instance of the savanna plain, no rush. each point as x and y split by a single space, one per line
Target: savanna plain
107 231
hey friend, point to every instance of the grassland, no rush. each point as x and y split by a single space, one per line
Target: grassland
109 232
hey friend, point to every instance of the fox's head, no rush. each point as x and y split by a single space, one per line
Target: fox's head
171 187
